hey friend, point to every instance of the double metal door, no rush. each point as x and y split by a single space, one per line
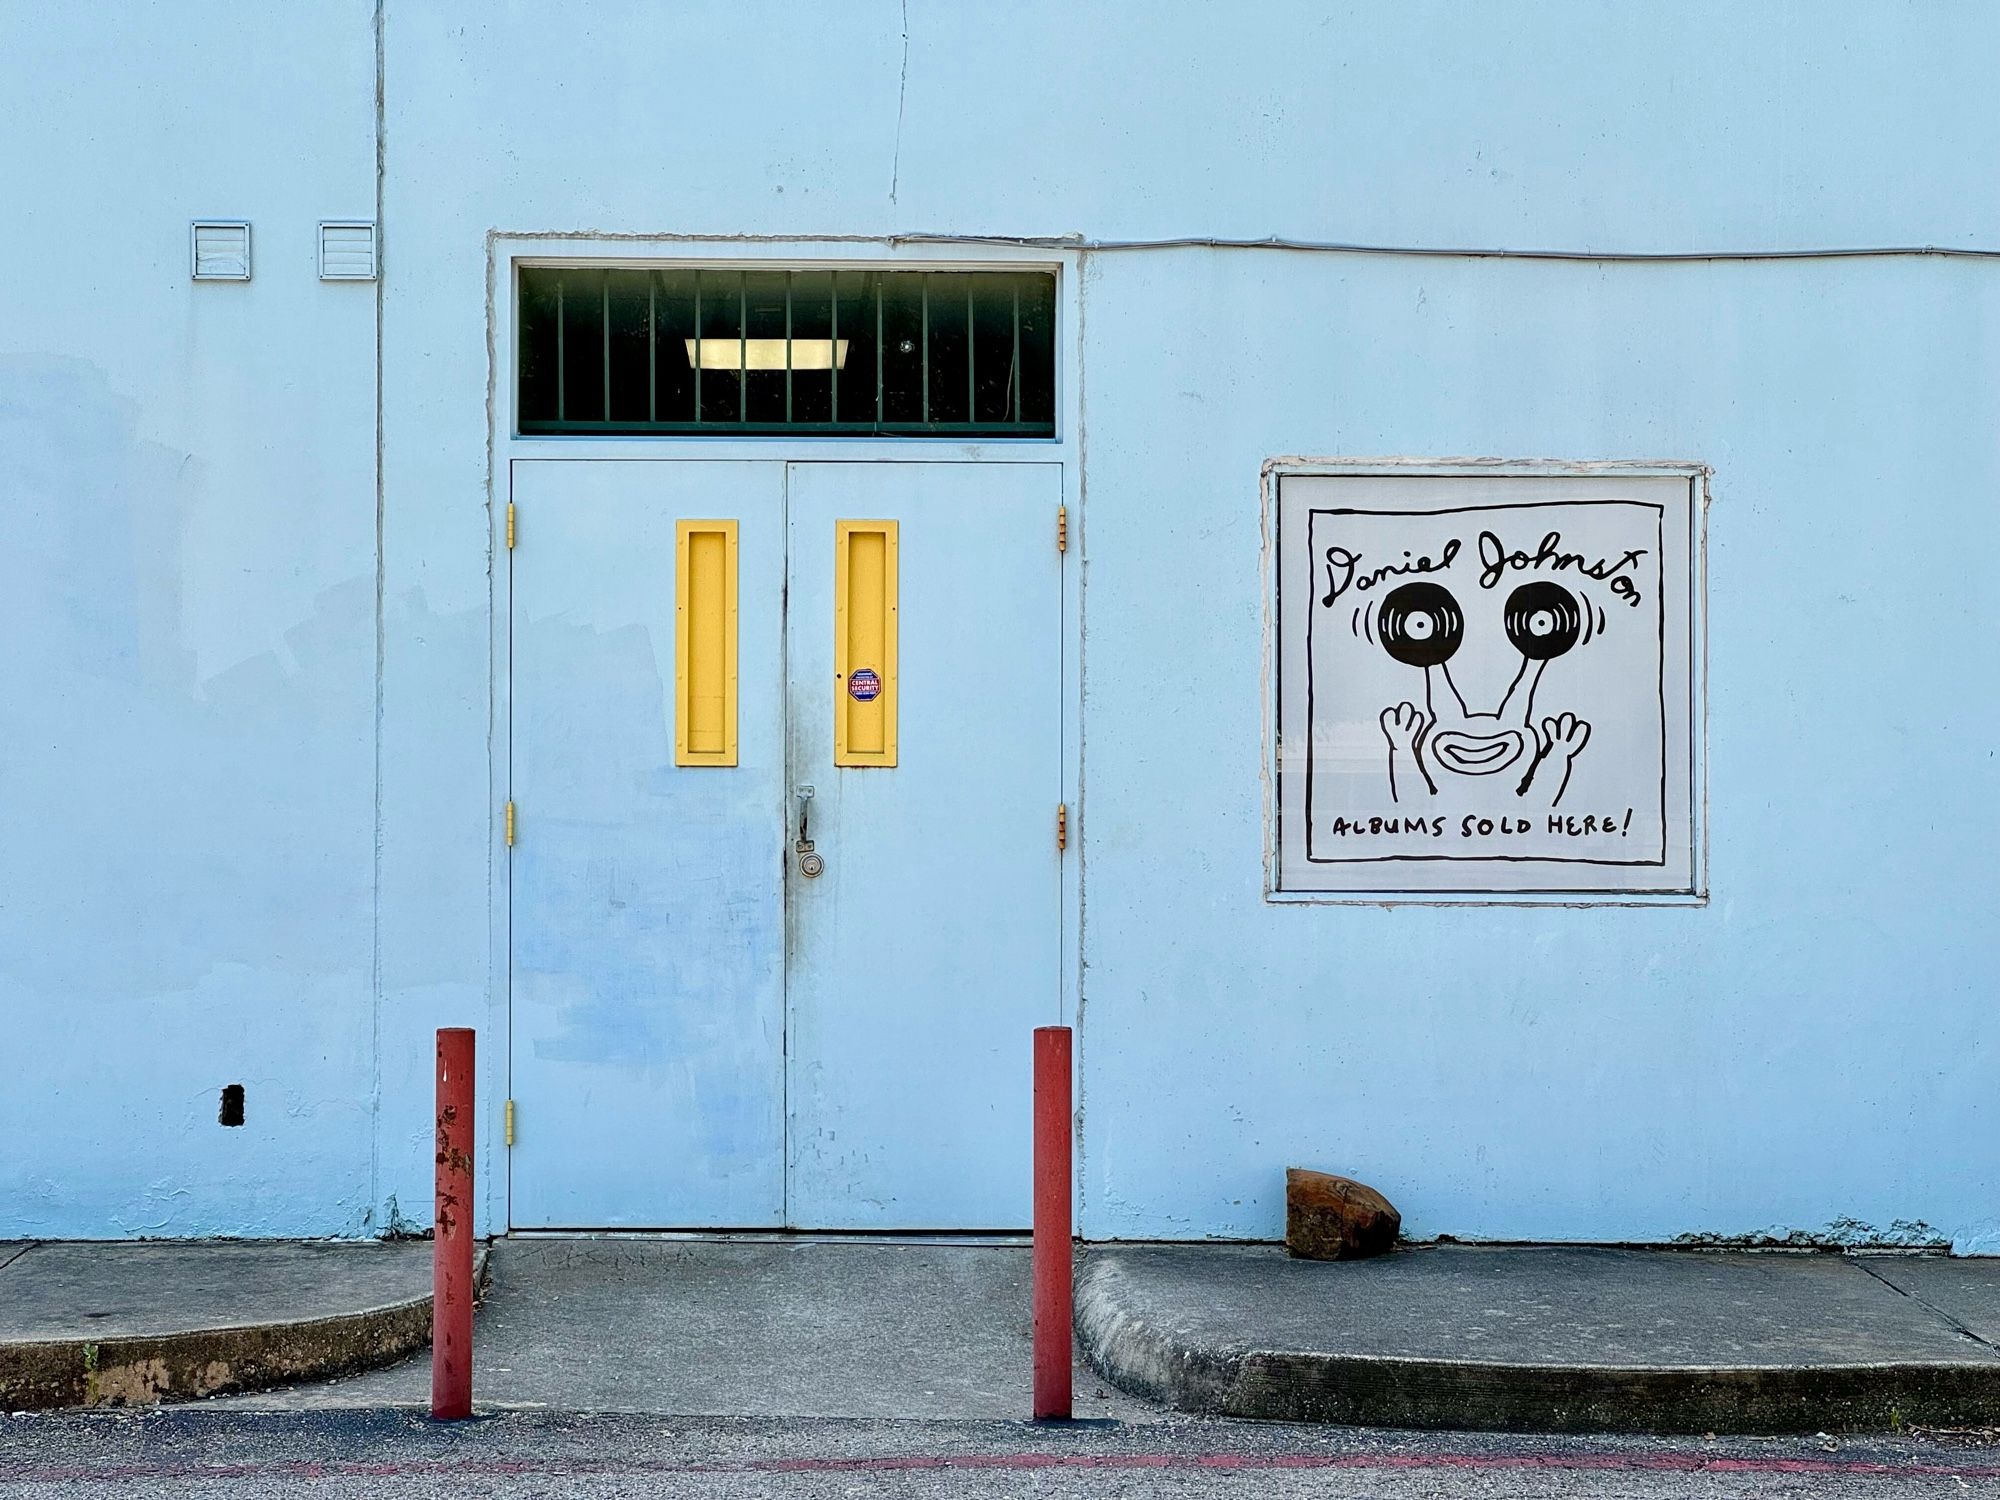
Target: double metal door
786 749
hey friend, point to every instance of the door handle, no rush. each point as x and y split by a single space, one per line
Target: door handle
810 863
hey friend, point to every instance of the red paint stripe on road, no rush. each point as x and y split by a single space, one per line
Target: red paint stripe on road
1672 1463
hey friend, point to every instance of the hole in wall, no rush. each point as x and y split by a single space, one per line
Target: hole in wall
232 1104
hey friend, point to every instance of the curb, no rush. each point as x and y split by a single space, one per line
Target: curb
1163 1364
149 1369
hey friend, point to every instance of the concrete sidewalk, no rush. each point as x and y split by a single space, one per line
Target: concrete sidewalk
1551 1339
783 1327
1532 1339
134 1322
778 1327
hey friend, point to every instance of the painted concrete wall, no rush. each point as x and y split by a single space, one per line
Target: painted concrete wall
1813 1048
1804 1052
187 602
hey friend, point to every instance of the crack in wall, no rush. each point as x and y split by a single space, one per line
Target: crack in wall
902 96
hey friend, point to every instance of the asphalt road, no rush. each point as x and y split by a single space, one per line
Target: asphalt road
192 1453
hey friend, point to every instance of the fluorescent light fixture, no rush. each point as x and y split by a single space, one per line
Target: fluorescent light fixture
765 354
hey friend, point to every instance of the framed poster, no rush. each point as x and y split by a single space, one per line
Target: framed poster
1487 681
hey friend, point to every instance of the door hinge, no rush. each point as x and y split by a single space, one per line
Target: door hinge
510 1122
510 525
1062 826
510 825
1062 528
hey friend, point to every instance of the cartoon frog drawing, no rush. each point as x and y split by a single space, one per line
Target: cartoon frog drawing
1422 626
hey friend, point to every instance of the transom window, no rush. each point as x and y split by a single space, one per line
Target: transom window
830 352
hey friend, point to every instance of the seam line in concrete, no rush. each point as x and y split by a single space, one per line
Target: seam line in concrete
30 1245
1953 1323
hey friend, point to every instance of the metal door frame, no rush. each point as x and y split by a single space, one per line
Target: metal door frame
505 449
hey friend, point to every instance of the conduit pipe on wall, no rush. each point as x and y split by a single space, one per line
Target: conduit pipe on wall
1344 247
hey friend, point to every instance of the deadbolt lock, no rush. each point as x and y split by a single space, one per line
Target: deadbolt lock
810 864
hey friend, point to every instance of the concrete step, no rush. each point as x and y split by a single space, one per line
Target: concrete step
133 1323
1550 1339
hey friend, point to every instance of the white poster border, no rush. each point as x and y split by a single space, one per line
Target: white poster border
1689 882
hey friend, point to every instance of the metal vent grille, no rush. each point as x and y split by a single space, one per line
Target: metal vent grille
841 353
220 250
346 250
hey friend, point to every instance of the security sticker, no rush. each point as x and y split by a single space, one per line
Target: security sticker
864 685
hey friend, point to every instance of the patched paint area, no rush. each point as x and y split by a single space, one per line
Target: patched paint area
187 860
646 905
715 856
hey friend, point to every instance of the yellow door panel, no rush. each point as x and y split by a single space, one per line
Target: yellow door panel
705 643
864 643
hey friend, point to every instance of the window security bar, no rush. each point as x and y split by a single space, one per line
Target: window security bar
755 352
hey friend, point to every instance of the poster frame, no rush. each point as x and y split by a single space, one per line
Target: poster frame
1698 477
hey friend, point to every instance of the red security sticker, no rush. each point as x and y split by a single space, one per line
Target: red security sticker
864 685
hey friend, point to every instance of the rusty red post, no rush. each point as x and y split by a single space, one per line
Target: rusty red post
451 1250
1052 1223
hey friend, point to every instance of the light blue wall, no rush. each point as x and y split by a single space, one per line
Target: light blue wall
1817 1045
196 861
187 614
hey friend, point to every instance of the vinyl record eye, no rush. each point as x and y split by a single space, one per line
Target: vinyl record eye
1420 625
1543 620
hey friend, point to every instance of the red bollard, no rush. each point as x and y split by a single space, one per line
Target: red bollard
1052 1293
451 1249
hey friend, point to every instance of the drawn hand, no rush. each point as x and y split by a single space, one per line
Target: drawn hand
1403 724
1564 735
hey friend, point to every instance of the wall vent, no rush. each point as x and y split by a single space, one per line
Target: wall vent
220 250
346 250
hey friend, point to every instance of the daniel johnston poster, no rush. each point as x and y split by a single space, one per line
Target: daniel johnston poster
1487 684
